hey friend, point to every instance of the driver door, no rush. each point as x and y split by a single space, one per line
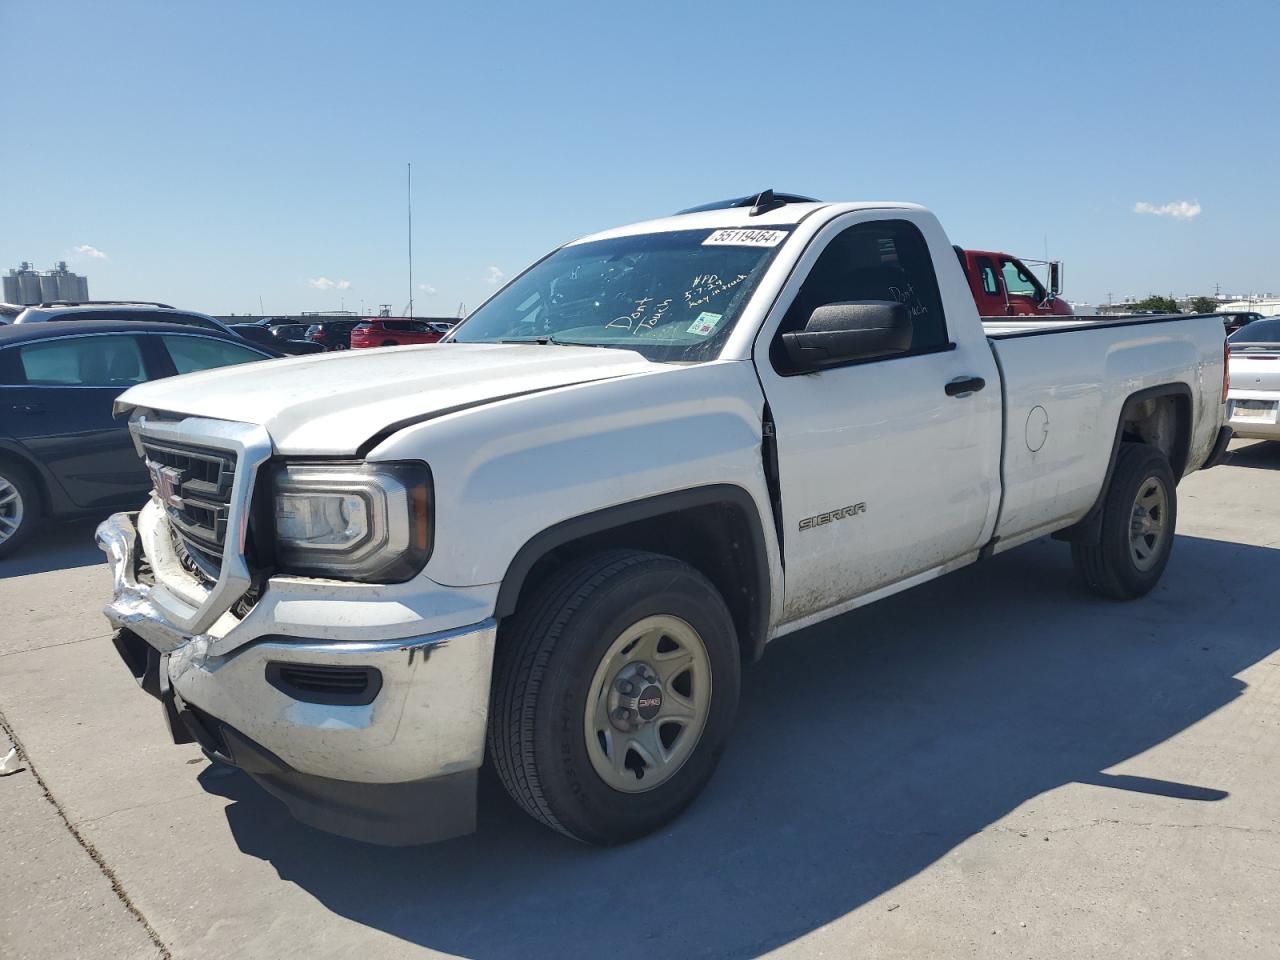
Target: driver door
884 473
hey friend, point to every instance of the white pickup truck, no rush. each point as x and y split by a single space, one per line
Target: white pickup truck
560 533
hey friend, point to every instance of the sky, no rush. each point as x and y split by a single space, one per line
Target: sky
219 156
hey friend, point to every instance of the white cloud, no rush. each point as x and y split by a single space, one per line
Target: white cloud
85 250
324 283
1178 209
495 276
427 288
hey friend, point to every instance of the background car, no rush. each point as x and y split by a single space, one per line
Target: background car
289 331
261 334
62 452
119 310
332 334
395 331
1253 401
1234 321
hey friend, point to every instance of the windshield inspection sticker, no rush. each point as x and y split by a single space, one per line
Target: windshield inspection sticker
706 324
745 238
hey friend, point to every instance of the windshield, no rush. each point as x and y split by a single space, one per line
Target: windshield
669 296
1257 332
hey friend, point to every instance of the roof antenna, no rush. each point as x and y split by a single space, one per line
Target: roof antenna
764 202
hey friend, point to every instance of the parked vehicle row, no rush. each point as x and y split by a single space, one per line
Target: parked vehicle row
396 331
556 537
136 310
376 332
274 337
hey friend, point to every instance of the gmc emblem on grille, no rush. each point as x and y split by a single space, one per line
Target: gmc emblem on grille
168 484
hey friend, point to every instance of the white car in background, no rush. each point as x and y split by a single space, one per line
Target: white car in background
1254 398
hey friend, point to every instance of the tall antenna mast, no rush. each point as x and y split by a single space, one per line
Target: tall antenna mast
410 198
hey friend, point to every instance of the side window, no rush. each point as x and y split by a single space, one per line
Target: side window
1018 281
987 271
882 260
104 361
204 353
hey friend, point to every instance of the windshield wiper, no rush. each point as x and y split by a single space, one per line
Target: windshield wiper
545 338
541 340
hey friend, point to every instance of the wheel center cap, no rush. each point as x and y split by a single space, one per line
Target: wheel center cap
649 702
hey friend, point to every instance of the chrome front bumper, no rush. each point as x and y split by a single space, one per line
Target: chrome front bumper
423 731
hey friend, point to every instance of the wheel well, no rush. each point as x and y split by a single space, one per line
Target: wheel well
29 471
1159 416
720 539
1164 422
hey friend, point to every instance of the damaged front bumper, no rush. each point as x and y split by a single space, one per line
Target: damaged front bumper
370 736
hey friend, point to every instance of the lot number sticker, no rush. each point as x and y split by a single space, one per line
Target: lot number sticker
738 237
706 324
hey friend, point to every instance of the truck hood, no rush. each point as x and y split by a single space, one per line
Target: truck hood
334 403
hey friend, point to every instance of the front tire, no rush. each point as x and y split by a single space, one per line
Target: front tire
19 507
613 696
1139 516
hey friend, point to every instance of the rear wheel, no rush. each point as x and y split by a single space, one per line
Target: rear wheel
1139 516
19 507
613 695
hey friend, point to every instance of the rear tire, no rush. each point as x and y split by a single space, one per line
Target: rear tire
1139 517
19 506
574 751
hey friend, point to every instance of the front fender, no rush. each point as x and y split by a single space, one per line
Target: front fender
508 471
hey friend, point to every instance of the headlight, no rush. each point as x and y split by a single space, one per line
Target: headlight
357 521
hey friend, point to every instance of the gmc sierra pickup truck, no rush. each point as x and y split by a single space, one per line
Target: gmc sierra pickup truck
557 536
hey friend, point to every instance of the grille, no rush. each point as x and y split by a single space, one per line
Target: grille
194 487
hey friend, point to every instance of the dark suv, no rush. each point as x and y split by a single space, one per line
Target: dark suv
332 334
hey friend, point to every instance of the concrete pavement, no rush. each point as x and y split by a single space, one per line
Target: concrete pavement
996 764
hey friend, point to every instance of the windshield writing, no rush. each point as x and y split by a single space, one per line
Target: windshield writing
670 296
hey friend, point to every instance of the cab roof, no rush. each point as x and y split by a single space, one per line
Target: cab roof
787 214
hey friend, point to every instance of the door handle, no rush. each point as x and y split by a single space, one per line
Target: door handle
27 408
963 386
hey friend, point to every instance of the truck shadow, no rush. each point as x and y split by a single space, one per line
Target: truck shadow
1260 454
55 546
866 749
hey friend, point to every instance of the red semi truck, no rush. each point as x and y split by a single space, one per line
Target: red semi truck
1003 285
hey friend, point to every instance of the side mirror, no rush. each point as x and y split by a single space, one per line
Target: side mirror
842 332
1055 279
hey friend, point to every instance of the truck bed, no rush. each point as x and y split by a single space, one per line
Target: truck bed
1063 402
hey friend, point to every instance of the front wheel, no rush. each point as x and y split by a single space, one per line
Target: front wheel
613 695
1139 516
19 507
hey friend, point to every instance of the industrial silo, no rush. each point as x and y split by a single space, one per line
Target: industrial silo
11 292
28 287
48 287
68 288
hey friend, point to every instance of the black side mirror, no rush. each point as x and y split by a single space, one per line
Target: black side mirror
842 332
1055 279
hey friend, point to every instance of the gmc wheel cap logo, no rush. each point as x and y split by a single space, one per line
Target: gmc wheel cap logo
649 702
